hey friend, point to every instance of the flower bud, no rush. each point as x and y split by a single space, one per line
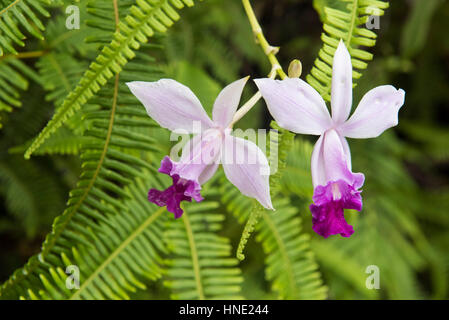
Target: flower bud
295 69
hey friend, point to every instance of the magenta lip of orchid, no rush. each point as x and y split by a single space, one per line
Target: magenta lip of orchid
175 107
298 107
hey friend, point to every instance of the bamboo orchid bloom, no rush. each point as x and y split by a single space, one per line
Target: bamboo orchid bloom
297 107
175 107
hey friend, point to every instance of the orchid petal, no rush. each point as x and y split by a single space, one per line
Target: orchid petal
208 172
328 206
346 150
317 164
376 112
295 105
341 90
227 102
247 168
199 154
171 104
319 177
335 162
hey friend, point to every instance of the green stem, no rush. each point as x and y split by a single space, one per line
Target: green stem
269 50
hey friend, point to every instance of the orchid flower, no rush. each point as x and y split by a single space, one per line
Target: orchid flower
297 107
175 107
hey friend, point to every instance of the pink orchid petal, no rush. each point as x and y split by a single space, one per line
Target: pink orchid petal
247 168
377 111
200 154
295 105
346 150
318 168
171 104
335 161
227 102
341 93
208 172
317 165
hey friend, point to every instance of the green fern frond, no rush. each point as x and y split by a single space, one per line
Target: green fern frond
384 228
60 72
297 178
19 15
201 266
290 264
112 160
145 18
350 26
14 78
114 252
31 193
280 142
63 142
250 226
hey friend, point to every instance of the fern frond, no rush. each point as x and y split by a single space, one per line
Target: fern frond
250 225
112 161
19 15
63 142
280 141
350 26
297 178
201 266
290 264
31 193
14 78
60 72
385 228
114 251
145 18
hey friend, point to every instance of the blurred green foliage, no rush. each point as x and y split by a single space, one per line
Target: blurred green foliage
404 225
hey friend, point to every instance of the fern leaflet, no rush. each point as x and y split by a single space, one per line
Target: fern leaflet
350 26
145 18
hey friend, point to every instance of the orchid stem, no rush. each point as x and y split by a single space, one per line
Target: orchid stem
269 50
245 108
250 103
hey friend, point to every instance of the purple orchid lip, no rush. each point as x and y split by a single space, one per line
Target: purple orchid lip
181 190
328 208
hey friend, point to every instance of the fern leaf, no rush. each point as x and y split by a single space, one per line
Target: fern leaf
14 78
201 266
279 144
350 26
111 161
113 253
250 225
144 19
290 265
19 15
